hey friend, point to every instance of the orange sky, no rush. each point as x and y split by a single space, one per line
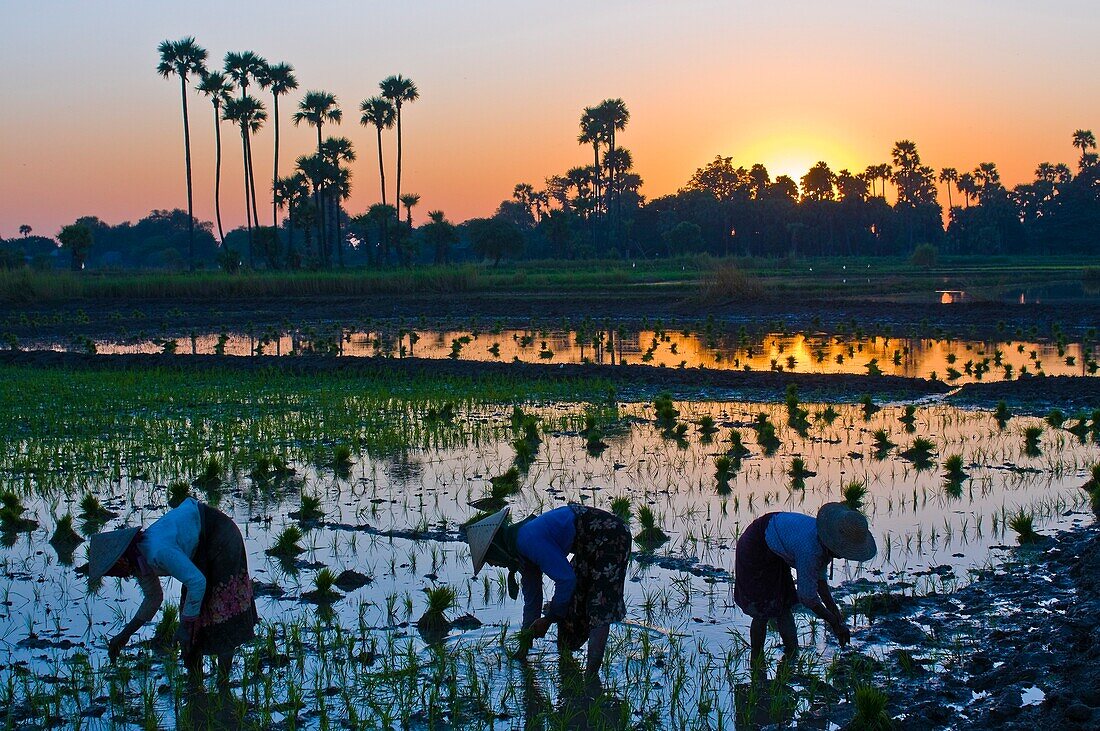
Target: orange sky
88 127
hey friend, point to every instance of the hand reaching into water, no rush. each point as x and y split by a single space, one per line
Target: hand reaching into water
843 634
114 647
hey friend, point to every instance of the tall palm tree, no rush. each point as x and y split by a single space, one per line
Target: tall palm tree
380 113
592 132
335 150
217 87
281 80
967 186
613 116
244 68
1084 140
248 112
949 176
409 200
316 109
184 58
398 90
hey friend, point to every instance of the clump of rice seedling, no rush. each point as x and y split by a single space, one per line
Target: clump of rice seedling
323 591
1055 417
666 412
953 468
854 493
651 535
1031 440
1001 414
798 470
267 468
1022 523
593 435
869 407
441 599
828 414
165 632
882 442
794 411
1092 487
1080 429
445 413
620 506
310 509
11 514
871 712
178 491
765 434
341 456
93 511
707 426
737 449
64 539
211 475
920 452
909 417
502 487
286 545
525 453
872 367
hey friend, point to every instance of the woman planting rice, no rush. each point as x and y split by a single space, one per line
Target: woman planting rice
775 543
588 590
204 550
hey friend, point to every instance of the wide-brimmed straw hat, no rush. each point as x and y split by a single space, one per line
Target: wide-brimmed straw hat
845 533
105 549
480 535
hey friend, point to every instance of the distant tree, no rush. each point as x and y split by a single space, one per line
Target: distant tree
440 234
494 238
289 192
245 68
720 178
400 91
248 113
592 133
851 187
184 58
25 230
818 183
281 80
409 200
613 116
380 114
949 176
967 186
76 238
384 216
337 150
217 87
684 237
1084 140
784 188
759 180
318 108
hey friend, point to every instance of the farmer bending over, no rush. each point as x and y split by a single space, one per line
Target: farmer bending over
775 543
204 550
588 591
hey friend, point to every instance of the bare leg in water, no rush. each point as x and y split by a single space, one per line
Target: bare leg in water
758 633
225 669
597 647
195 671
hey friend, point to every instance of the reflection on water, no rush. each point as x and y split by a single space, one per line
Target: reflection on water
954 361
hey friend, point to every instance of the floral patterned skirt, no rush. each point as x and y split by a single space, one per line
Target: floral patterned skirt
228 616
601 554
763 587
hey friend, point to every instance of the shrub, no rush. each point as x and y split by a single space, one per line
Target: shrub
924 255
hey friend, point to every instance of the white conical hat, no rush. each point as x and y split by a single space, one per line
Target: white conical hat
480 535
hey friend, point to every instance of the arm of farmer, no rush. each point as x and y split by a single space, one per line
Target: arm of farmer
555 565
840 629
531 584
150 603
811 577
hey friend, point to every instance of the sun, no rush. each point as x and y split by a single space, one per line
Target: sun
793 153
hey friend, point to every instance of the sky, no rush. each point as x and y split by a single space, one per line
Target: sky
87 126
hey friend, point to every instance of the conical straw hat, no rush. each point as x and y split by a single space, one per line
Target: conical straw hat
845 532
104 549
480 535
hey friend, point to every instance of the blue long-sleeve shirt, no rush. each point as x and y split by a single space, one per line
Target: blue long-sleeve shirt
545 544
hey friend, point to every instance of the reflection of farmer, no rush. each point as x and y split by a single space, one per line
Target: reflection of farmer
588 591
203 549
775 543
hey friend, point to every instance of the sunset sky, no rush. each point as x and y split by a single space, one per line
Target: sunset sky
89 128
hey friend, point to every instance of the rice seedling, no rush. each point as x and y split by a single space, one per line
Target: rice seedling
883 444
869 407
737 450
1092 487
765 434
854 493
620 506
165 632
798 472
12 519
1022 524
871 715
211 475
828 414
323 588
920 452
651 534
707 426
309 510
441 599
666 412
1031 440
953 468
1001 414
1055 417
92 511
286 544
178 491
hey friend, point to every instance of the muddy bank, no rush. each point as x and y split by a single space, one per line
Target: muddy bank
1035 393
122 318
1017 649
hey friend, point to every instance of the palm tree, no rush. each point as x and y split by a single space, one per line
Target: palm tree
316 170
1085 141
592 132
281 80
25 230
217 87
289 191
440 234
949 176
380 113
248 112
335 150
183 58
245 68
967 186
399 90
409 200
613 116
316 109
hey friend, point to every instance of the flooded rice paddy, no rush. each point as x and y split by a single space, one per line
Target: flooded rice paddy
378 485
951 360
